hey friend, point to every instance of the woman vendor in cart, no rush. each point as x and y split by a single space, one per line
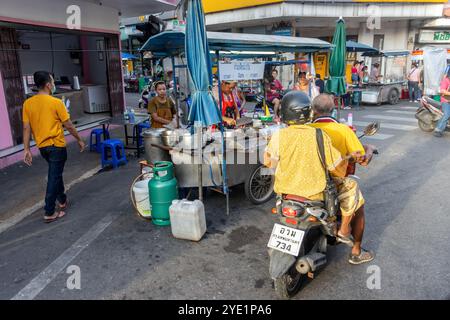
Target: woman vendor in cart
161 108
230 110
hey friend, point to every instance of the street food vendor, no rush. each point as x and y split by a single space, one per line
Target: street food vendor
161 108
230 111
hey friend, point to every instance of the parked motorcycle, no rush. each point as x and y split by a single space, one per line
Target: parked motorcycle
261 101
146 95
429 113
298 244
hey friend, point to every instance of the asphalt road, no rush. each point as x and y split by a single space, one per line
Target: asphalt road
121 256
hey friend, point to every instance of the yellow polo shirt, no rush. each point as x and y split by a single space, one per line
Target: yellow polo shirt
342 137
299 170
46 114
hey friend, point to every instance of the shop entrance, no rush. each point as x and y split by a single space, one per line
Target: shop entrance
79 64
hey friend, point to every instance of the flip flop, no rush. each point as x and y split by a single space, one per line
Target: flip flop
63 206
348 240
58 216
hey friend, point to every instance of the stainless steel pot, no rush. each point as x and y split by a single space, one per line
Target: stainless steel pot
153 154
169 138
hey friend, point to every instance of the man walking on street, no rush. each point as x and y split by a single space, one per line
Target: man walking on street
414 83
45 117
445 100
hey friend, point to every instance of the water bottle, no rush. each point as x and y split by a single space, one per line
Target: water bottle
334 113
132 116
350 119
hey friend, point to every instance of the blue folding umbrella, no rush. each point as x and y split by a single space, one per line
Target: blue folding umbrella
204 108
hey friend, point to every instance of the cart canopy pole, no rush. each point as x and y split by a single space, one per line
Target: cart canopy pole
224 161
175 90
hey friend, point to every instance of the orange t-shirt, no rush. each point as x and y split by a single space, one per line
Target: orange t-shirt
46 115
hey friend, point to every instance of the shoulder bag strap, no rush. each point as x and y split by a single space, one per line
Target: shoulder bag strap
321 148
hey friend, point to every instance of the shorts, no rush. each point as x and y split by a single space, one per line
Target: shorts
350 196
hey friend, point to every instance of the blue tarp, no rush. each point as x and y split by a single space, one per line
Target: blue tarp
128 56
353 46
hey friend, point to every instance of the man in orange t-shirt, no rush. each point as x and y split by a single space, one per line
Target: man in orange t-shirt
46 117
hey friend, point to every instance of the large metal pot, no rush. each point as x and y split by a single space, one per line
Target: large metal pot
190 142
169 138
154 154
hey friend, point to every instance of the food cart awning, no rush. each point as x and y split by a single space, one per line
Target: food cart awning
353 46
390 53
172 43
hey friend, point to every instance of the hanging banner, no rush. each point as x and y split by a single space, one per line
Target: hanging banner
241 70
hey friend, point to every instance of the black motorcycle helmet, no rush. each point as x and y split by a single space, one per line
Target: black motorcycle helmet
295 108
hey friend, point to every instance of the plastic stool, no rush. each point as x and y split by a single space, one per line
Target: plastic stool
117 153
140 127
98 133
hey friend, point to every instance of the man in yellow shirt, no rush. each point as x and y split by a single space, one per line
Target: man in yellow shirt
350 197
46 117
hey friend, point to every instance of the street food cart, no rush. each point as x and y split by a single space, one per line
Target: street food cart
244 147
393 78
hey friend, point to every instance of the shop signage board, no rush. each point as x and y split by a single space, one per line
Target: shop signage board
434 36
241 70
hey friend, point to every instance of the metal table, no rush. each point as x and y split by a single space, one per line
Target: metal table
119 120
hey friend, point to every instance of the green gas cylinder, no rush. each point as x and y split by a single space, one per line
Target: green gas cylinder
163 189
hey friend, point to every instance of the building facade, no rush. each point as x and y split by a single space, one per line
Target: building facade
79 42
389 25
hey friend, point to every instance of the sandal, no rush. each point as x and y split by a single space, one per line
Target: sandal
348 240
54 217
63 206
363 257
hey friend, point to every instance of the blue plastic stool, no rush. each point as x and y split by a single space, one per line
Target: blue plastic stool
140 127
117 153
97 146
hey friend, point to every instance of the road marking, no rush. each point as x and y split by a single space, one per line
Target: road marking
378 136
384 125
410 108
411 119
404 112
51 272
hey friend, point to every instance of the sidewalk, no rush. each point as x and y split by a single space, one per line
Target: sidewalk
23 188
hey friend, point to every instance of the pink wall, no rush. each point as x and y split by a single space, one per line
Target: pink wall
5 128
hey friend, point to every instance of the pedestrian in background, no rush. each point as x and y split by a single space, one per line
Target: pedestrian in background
414 82
320 83
46 117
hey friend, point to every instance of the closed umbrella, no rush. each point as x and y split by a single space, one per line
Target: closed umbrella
337 62
204 109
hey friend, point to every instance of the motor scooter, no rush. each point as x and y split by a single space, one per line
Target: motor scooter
298 243
429 114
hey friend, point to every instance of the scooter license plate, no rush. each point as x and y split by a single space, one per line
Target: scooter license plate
286 239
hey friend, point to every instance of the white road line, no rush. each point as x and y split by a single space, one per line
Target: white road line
385 125
377 117
404 112
378 136
51 272
410 108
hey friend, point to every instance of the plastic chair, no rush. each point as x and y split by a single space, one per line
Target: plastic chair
139 128
98 133
117 150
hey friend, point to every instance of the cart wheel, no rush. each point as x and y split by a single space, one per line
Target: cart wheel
259 187
394 96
